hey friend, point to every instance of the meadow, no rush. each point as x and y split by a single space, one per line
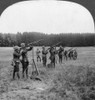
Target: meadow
71 80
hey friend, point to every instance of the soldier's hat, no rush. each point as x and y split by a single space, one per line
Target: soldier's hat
16 47
43 46
22 44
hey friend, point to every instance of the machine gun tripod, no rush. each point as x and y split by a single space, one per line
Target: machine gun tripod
35 72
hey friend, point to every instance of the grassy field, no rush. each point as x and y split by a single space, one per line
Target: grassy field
71 80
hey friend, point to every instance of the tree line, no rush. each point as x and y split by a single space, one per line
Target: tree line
70 39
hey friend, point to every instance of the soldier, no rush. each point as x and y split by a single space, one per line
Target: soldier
16 61
56 55
44 56
24 59
65 54
70 54
75 54
52 56
60 54
38 55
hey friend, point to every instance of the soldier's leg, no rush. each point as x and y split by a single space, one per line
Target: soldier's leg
37 58
23 69
27 63
14 71
17 70
45 61
56 59
22 62
61 58
66 57
40 58
27 72
54 62
18 75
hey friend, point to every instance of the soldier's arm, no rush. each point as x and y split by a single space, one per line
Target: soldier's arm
18 54
29 48
46 52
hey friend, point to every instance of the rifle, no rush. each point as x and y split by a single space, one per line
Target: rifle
35 42
56 44
70 49
53 46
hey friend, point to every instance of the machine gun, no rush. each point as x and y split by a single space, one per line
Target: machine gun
35 71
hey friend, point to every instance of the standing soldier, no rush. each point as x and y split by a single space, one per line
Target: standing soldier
70 54
60 54
52 56
16 61
38 55
65 54
24 59
56 55
44 56
75 54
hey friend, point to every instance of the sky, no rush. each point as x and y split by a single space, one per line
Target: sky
47 17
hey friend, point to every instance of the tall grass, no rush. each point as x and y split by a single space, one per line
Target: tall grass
77 82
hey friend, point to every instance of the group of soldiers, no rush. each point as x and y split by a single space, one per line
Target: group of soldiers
20 56
56 55
70 54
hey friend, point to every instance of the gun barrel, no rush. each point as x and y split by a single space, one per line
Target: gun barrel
35 42
56 44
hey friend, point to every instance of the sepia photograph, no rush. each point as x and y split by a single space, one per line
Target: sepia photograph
47 49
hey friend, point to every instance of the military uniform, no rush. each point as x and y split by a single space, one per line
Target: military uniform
38 55
24 60
75 54
52 56
65 54
70 55
60 54
16 62
44 56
